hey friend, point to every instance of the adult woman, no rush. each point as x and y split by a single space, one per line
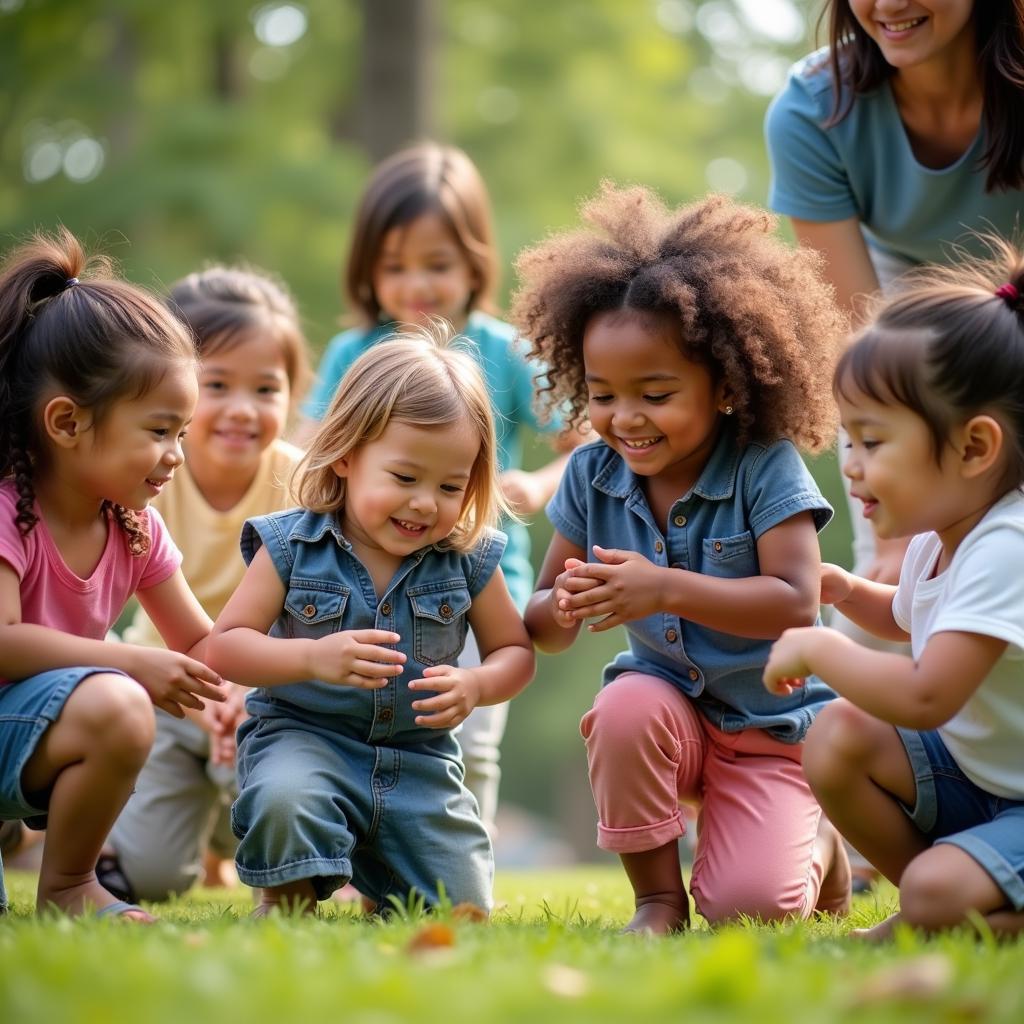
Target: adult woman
893 143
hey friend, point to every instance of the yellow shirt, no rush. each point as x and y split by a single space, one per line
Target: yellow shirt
208 538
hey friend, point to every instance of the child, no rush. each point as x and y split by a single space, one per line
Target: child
367 592
698 346
97 386
236 466
423 247
920 766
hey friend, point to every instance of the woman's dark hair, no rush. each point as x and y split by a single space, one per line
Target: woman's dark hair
223 306
755 311
948 346
857 67
70 326
426 178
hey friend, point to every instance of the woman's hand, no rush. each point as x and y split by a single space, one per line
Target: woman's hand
354 657
457 693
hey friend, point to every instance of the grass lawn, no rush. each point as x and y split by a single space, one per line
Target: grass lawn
549 953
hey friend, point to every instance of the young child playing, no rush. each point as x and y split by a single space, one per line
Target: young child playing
699 347
920 766
236 466
348 768
97 387
423 247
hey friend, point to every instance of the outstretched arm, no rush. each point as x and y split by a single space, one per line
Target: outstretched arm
506 663
864 602
916 695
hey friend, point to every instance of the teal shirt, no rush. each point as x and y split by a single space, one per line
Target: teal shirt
510 379
864 167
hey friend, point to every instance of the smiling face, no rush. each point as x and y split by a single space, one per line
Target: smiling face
893 470
659 410
422 272
406 489
133 452
910 33
243 404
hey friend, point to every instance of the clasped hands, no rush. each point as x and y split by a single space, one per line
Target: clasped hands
622 587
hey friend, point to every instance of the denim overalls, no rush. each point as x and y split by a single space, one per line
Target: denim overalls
712 529
339 783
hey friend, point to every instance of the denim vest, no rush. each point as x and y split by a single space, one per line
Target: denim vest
712 529
329 590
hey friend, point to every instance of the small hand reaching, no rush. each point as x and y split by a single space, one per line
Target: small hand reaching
456 693
355 657
836 583
787 666
173 680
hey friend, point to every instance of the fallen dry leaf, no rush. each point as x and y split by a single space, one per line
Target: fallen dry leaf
432 936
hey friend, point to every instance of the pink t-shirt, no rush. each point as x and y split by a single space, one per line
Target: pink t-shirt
52 595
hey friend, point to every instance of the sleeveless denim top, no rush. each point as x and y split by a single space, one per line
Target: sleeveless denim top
330 590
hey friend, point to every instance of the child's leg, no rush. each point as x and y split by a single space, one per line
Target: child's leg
858 768
645 748
83 770
157 837
762 849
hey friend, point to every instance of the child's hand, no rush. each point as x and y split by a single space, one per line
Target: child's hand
224 720
566 584
787 665
174 680
624 586
836 583
523 491
457 693
353 657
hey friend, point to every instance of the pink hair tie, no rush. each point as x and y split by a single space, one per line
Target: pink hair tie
1009 292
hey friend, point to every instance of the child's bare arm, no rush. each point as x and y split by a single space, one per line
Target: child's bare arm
529 491
240 648
506 667
862 601
916 695
550 625
784 594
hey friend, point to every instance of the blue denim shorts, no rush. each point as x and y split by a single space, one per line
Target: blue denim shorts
27 709
950 808
317 803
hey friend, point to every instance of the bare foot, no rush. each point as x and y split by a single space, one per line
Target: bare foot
85 898
218 872
658 917
881 932
293 898
835 894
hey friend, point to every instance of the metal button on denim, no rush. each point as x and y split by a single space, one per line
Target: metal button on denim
694 674
385 609
679 520
718 545
446 611
671 635
309 611
658 546
386 714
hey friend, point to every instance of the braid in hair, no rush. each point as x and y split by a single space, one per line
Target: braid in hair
131 523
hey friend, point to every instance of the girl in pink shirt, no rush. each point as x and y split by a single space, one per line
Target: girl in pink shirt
97 386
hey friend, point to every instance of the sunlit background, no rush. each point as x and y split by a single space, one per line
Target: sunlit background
173 134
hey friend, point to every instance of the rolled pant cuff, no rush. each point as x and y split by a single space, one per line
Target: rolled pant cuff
640 838
315 869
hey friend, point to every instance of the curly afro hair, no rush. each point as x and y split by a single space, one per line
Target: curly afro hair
753 310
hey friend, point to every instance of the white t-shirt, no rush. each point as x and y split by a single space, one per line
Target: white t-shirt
982 591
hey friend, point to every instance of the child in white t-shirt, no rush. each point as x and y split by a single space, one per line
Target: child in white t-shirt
920 767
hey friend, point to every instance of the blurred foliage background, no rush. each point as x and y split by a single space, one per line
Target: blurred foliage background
174 134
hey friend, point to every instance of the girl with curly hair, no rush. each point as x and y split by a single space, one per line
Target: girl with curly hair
700 348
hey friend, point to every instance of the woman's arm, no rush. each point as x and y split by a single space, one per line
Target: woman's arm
916 695
240 648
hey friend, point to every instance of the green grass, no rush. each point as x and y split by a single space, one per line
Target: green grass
550 953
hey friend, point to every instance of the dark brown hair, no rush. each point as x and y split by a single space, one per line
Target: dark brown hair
857 67
69 325
426 178
755 311
948 347
223 306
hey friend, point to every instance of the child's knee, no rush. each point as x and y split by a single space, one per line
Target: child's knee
937 889
629 712
117 712
838 737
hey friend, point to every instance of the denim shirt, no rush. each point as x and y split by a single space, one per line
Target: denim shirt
712 529
330 590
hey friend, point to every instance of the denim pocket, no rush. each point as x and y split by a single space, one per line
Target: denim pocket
439 621
314 609
733 557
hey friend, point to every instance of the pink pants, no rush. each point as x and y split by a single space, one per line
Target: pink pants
649 748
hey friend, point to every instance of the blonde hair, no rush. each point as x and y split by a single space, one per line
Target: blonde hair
423 379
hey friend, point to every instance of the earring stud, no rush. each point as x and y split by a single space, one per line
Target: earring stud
727 410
